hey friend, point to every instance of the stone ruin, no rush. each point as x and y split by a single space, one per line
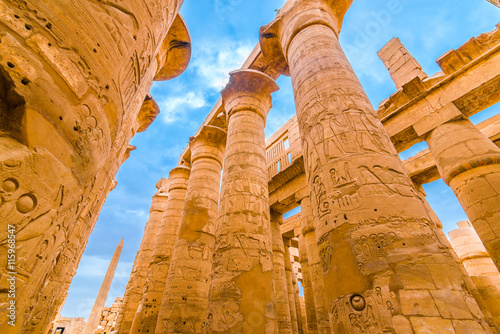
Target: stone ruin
217 256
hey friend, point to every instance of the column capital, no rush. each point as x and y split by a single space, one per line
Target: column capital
179 177
293 18
248 90
209 143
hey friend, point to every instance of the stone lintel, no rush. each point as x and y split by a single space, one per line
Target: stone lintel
175 51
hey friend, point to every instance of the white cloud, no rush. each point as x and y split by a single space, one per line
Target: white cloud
215 60
172 107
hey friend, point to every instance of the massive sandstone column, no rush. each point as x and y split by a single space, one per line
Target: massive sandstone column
280 283
310 307
316 272
71 91
243 245
147 313
469 163
375 239
133 292
298 310
291 289
479 265
100 300
185 299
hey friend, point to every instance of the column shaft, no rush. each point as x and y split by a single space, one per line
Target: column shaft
470 164
147 313
243 244
297 303
383 267
290 288
315 270
479 266
135 285
310 307
185 299
280 283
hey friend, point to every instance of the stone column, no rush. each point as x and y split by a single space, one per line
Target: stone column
316 272
100 300
479 266
133 292
185 299
280 284
297 303
470 164
147 313
310 307
243 245
290 288
75 88
374 236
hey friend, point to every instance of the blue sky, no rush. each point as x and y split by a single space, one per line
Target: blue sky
223 34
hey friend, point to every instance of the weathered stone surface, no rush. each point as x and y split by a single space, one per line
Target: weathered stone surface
72 89
479 266
470 164
243 249
146 314
185 298
289 283
310 307
315 269
283 305
137 279
369 218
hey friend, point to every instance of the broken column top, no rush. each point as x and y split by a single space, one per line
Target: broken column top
401 65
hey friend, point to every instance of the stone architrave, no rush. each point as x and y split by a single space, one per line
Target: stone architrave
316 272
243 244
469 163
185 299
479 265
371 225
147 313
291 290
280 283
100 300
310 308
135 285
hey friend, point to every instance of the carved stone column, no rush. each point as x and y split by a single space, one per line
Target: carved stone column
290 287
280 284
185 299
243 244
71 90
298 311
133 292
375 238
479 266
147 313
310 307
316 272
470 164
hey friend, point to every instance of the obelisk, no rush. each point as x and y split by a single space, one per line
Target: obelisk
103 292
